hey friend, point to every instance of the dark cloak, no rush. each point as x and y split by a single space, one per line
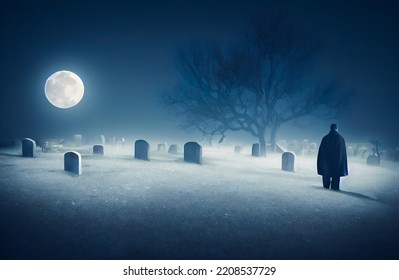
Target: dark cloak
331 159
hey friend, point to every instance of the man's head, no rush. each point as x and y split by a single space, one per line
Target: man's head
334 127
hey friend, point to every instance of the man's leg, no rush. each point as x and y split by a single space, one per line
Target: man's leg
326 181
335 183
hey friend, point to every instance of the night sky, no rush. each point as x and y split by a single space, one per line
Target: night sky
124 53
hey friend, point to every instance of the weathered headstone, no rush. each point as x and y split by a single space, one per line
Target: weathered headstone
237 149
161 147
193 152
172 149
98 150
73 162
141 150
77 139
28 148
373 160
288 161
255 150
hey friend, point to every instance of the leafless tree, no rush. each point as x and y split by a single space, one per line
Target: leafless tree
255 86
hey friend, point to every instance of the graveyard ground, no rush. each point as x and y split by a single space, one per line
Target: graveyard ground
232 207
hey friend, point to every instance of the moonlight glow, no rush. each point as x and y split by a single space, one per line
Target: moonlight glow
64 89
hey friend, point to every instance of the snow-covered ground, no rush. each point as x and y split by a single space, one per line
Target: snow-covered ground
233 206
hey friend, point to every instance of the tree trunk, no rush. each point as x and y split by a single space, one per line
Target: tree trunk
273 136
262 146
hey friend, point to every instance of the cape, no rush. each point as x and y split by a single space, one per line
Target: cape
331 158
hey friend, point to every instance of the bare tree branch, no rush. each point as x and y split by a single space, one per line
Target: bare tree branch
262 84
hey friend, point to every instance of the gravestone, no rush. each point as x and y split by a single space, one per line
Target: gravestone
172 149
161 147
28 148
141 150
255 150
77 139
73 162
373 160
193 152
237 149
98 150
288 161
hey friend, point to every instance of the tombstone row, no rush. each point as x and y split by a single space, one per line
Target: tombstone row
192 153
73 160
302 147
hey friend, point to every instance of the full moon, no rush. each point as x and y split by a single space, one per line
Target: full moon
64 89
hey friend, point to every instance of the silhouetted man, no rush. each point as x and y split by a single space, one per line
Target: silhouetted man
331 160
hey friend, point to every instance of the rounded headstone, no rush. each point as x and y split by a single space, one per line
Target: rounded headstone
28 148
141 150
193 152
255 150
98 150
73 162
288 161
